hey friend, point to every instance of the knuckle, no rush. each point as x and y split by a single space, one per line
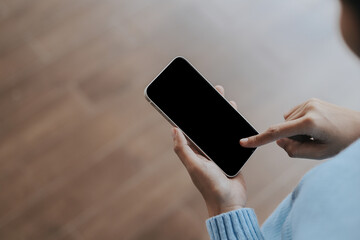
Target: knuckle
309 121
290 151
192 169
312 104
311 107
290 154
313 100
273 130
177 148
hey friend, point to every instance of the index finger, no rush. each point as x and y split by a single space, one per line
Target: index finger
287 129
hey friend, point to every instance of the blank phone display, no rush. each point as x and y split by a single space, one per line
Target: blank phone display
202 114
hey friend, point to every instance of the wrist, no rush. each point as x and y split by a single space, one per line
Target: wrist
217 210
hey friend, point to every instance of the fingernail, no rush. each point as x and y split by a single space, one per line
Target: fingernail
173 133
244 140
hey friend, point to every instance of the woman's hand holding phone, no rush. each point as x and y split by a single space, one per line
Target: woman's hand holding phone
329 129
221 194
321 130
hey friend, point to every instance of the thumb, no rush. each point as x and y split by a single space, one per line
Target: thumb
296 149
183 150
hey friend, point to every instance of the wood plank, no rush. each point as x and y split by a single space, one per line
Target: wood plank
86 60
107 175
187 222
26 20
158 191
60 157
16 64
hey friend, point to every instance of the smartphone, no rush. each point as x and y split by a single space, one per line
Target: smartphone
191 103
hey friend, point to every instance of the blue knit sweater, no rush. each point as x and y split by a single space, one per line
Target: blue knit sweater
324 205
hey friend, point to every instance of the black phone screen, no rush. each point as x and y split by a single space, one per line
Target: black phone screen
209 120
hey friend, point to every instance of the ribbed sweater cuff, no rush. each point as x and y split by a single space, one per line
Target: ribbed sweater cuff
237 224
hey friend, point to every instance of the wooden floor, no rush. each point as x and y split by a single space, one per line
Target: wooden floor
84 156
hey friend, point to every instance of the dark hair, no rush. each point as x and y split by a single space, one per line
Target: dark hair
354 4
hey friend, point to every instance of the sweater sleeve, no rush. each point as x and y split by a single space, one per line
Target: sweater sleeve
237 224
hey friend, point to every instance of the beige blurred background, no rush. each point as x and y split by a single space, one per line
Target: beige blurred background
84 156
